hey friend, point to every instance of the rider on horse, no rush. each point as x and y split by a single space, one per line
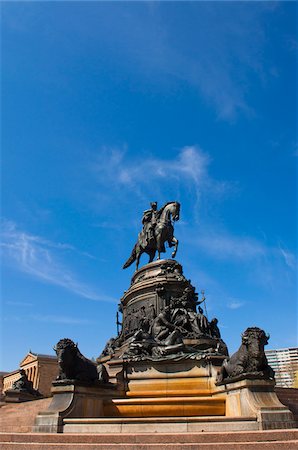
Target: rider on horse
157 229
149 221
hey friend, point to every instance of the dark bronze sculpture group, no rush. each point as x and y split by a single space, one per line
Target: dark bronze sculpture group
162 317
74 366
164 333
157 230
22 389
250 358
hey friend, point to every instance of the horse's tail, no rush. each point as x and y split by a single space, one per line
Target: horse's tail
132 258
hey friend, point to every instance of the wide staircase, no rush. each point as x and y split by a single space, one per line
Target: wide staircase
269 440
17 420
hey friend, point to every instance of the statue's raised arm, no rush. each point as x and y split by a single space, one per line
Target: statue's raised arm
157 229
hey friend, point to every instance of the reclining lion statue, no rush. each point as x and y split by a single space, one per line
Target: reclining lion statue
74 366
250 358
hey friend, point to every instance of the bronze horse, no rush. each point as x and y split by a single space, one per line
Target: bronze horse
163 232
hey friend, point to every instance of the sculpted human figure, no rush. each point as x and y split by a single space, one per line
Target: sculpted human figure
127 322
149 221
185 316
151 313
202 321
157 230
181 320
194 321
169 340
142 342
143 312
214 330
134 320
162 327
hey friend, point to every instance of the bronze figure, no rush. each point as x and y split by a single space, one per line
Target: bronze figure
157 230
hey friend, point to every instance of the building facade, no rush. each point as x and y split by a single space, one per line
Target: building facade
2 375
40 369
284 362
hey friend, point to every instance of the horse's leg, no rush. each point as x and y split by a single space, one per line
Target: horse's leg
158 244
158 252
151 255
138 255
175 242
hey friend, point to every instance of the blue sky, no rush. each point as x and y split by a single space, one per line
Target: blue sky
107 106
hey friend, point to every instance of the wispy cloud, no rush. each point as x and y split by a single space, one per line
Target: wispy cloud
39 258
235 304
289 258
187 169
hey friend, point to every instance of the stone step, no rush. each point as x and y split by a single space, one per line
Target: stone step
165 406
158 425
276 445
152 438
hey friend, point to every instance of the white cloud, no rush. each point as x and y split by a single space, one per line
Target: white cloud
235 304
188 168
39 258
289 258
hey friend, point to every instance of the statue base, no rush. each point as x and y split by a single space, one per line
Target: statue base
18 396
167 388
166 395
163 369
72 400
256 398
160 290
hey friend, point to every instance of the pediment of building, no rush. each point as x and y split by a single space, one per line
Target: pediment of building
29 358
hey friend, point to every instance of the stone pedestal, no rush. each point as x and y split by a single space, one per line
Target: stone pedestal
18 396
168 388
256 398
72 401
163 368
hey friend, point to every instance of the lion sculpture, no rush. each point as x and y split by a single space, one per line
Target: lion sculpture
74 366
250 359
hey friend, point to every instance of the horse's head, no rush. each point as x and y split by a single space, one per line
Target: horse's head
176 211
170 210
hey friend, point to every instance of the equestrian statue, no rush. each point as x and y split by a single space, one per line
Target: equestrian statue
157 229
